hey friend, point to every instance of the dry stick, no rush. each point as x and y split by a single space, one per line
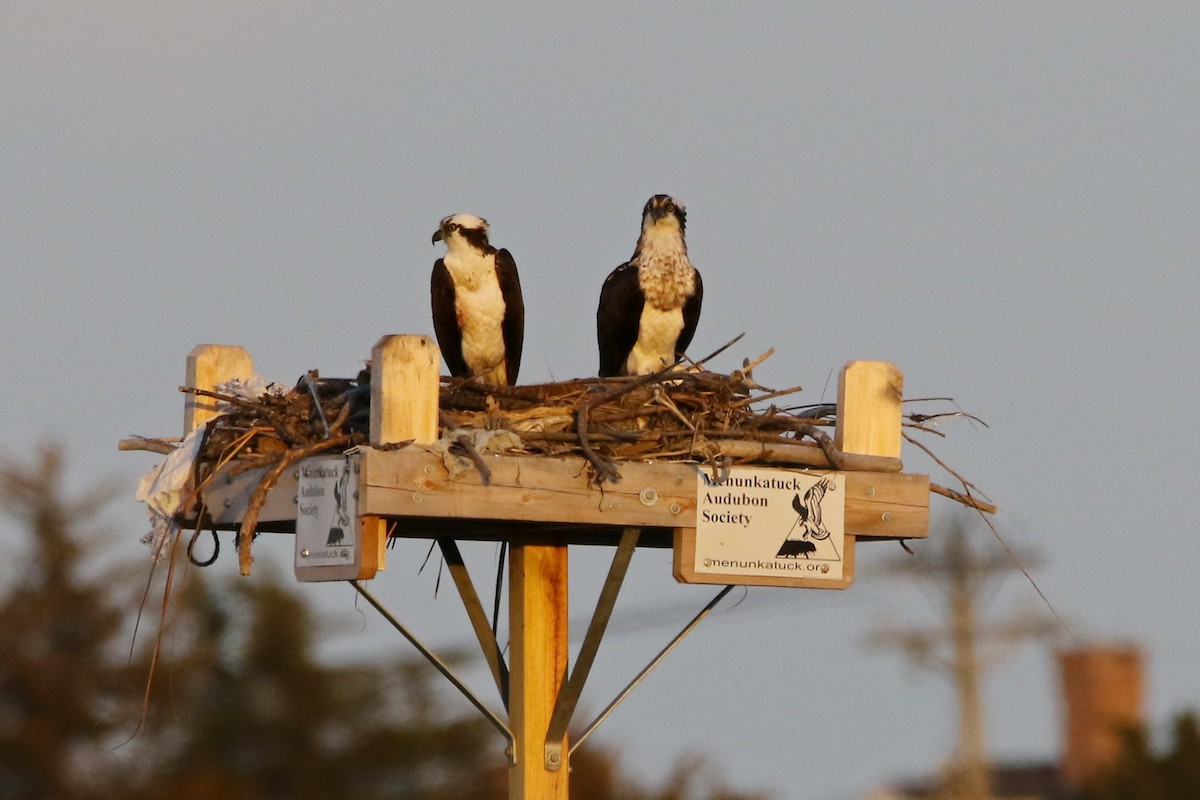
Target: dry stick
996 533
967 485
161 446
598 435
137 622
745 401
259 496
836 458
463 440
162 623
633 413
605 469
340 420
749 367
669 404
919 427
803 454
228 398
719 350
965 499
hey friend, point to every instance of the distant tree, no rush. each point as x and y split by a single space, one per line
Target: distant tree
242 707
1141 774
246 710
253 715
60 678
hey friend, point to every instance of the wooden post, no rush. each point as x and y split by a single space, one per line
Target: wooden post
868 409
404 390
538 636
870 394
207 366
404 407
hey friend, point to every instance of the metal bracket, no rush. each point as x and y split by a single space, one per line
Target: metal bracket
443 668
478 617
554 756
641 675
568 696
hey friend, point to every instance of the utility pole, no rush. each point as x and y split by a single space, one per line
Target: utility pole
961 574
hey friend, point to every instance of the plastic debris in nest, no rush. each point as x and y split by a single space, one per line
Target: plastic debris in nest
259 424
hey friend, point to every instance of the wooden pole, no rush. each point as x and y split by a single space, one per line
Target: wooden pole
538 636
207 366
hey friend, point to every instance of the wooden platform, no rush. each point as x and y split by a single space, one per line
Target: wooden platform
408 490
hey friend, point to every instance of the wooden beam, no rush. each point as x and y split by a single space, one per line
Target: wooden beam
414 482
207 366
538 637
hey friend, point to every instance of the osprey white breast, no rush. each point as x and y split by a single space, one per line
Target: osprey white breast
478 311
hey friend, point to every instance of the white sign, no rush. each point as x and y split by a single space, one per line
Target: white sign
771 523
326 520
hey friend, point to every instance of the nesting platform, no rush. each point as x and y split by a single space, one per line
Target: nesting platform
778 504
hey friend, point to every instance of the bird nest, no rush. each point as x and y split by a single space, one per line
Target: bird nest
685 413
682 414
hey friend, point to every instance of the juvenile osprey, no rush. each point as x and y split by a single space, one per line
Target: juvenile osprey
649 306
478 312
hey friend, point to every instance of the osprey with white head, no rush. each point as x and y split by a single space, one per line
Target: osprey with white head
478 310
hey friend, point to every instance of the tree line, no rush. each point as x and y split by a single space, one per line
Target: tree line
242 707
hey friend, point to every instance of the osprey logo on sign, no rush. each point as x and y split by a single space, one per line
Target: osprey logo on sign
808 529
337 531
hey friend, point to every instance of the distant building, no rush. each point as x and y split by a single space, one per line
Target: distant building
1102 694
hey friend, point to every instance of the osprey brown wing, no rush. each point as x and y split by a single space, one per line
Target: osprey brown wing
445 322
513 326
618 318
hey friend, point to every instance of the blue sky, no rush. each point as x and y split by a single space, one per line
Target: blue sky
1002 199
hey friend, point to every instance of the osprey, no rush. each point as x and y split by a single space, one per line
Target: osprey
649 306
478 312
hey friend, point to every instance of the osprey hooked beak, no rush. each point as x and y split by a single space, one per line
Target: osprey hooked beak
437 236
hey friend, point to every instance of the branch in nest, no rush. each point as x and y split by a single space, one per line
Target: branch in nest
606 470
719 350
804 454
161 446
259 495
966 499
